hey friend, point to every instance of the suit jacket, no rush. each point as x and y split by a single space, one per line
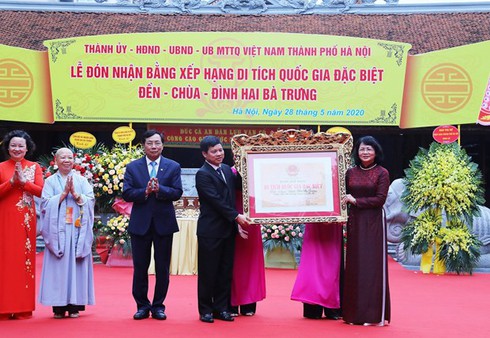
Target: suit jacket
157 207
217 202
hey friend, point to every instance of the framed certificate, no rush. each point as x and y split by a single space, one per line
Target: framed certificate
293 176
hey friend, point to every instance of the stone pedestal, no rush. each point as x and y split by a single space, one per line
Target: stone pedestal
280 258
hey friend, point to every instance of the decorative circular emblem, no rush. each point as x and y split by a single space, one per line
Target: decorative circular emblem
292 170
446 88
16 83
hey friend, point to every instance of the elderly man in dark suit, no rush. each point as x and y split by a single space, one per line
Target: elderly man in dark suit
216 230
152 183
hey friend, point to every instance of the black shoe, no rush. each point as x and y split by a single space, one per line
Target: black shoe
207 318
159 314
333 314
75 314
226 316
59 315
141 314
312 317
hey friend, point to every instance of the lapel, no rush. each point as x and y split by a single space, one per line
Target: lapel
143 168
225 171
161 167
215 174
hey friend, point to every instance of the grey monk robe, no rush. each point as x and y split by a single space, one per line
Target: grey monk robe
67 274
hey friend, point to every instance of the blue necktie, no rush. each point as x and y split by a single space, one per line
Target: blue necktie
220 173
153 172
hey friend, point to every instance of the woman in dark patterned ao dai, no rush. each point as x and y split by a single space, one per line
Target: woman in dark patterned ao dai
366 297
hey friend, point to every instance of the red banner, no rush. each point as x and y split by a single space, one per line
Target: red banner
484 117
190 135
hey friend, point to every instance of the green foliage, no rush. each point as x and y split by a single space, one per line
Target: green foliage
460 249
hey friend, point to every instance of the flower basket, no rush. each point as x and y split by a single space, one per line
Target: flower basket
109 174
446 187
102 245
115 231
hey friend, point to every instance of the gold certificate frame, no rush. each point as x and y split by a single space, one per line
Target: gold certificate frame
293 176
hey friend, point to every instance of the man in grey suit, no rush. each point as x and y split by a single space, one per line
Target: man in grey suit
152 183
216 230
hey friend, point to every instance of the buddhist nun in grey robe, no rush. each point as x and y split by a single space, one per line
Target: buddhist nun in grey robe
67 219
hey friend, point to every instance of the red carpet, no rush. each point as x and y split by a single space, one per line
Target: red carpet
422 306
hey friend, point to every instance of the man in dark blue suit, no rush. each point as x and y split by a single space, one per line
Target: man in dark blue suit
216 230
152 183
